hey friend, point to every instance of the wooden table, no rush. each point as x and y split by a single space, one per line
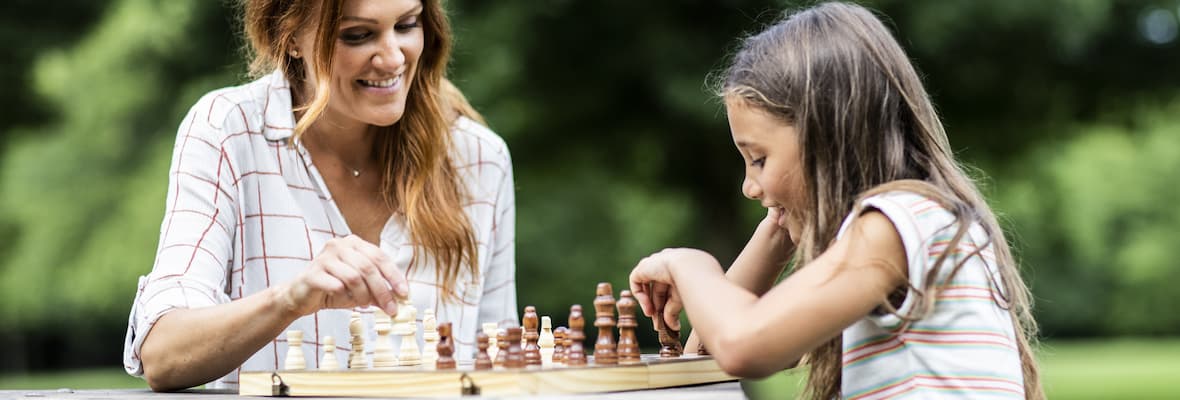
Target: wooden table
719 391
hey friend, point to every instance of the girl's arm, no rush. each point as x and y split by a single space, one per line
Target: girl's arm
760 263
752 336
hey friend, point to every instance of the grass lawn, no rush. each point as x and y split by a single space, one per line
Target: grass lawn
1096 369
1092 369
103 378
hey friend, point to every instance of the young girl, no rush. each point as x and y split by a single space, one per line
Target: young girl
905 285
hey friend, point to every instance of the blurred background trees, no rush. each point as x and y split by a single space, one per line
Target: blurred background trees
1068 108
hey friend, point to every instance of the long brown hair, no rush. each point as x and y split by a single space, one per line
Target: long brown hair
418 177
866 126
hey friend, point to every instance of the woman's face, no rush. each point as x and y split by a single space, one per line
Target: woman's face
774 163
376 55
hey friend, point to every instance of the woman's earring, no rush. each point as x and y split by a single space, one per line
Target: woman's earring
294 53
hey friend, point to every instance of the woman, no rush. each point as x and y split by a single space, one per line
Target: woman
353 175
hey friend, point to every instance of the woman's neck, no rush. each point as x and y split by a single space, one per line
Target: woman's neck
351 145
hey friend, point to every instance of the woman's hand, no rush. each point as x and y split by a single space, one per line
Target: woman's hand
349 272
653 284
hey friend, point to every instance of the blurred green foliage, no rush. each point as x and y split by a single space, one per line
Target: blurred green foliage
619 147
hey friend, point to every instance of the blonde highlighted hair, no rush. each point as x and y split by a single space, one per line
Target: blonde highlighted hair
418 176
866 126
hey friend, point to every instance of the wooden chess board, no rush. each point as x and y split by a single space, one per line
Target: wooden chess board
419 381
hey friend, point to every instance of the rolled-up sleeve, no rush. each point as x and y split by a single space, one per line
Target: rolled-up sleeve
196 235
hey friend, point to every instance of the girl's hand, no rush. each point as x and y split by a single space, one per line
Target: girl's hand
653 285
349 272
784 226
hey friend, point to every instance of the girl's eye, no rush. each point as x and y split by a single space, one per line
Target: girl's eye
758 162
408 25
354 36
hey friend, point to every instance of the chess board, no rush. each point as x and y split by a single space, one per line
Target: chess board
419 381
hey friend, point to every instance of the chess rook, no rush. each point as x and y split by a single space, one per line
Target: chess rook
604 312
446 347
295 358
515 357
628 347
575 354
532 351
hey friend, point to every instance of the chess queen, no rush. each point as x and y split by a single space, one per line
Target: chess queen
345 177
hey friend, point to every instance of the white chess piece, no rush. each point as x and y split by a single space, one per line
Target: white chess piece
295 358
383 355
430 339
407 328
546 341
490 329
356 357
329 363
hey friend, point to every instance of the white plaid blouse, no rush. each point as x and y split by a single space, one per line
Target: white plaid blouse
246 210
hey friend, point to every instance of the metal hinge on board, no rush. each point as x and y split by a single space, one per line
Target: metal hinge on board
277 387
469 388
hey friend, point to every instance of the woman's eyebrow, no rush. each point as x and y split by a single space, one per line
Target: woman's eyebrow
416 9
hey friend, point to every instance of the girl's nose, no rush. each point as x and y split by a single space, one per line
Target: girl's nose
751 189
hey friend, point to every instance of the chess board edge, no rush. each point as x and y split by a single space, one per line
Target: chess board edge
415 382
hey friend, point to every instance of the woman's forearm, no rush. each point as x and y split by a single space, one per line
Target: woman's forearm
190 347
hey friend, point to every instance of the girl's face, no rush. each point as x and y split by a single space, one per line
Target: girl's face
376 54
774 173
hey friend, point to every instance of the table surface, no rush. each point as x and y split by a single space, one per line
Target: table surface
717 391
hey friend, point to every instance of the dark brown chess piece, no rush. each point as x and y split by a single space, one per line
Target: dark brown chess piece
575 354
502 344
559 344
446 347
604 312
628 347
670 346
532 351
515 353
482 360
701 350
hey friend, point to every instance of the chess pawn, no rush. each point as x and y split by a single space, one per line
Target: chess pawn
559 344
628 347
329 362
502 342
383 354
482 360
575 354
532 352
515 353
489 328
701 350
546 341
446 347
604 311
295 358
356 357
407 328
429 338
